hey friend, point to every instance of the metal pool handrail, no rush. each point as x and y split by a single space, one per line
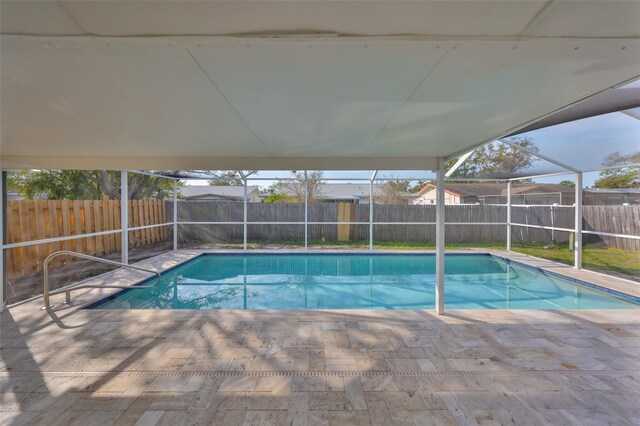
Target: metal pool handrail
47 293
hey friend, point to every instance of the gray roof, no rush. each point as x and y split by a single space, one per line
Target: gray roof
225 191
537 188
347 191
14 196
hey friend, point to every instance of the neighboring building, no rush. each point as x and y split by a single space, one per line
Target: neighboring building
496 193
355 193
12 196
220 193
532 194
611 196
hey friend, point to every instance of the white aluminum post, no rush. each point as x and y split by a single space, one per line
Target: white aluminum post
440 211
306 211
508 215
371 215
2 225
373 176
175 214
578 211
244 225
124 215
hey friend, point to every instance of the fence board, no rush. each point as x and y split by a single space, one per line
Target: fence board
29 220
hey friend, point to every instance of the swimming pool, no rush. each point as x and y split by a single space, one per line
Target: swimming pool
358 281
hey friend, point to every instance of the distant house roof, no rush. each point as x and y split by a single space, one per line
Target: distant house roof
485 189
539 188
14 196
220 191
348 191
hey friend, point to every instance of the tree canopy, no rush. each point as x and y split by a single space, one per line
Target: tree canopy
622 177
227 178
293 189
497 160
393 192
86 185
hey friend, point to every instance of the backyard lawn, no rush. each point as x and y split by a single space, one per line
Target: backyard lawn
598 258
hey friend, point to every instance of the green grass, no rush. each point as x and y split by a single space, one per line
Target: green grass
598 258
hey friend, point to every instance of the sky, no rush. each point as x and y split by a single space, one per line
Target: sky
582 144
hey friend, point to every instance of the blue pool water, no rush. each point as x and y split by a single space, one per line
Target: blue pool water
358 282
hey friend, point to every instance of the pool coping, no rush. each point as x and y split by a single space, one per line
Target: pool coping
596 287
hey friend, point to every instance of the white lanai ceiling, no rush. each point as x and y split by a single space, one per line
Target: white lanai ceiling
221 85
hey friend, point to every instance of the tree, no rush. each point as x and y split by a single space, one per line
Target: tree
497 160
293 190
622 177
52 184
568 183
464 170
227 178
417 186
86 185
393 192
277 198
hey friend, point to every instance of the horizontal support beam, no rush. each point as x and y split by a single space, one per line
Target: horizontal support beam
219 163
156 225
142 172
551 228
604 234
116 231
341 223
58 239
541 176
610 234
80 236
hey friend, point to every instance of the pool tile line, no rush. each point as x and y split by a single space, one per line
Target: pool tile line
451 373
542 271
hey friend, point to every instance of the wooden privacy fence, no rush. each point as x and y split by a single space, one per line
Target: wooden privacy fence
29 220
623 220
612 219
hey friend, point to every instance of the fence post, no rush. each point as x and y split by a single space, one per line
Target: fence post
508 215
440 229
124 215
175 214
578 223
